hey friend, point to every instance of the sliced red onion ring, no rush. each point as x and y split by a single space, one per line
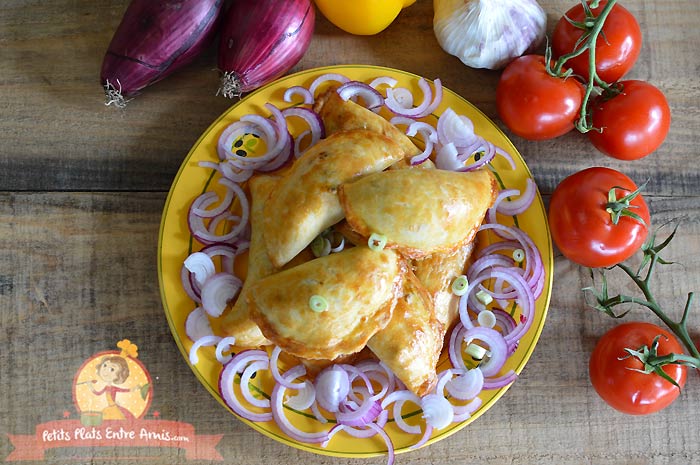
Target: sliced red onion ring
248 373
249 124
403 97
218 291
304 397
189 286
437 410
463 412
197 325
203 341
274 369
277 405
325 78
516 207
455 347
201 266
431 100
426 435
227 383
383 81
452 128
525 299
222 346
501 381
401 120
303 92
466 385
353 89
498 349
399 398
227 253
203 202
389 445
366 412
332 387
534 268
311 118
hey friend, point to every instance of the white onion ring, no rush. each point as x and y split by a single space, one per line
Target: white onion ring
306 95
226 384
325 78
431 100
197 324
223 345
203 341
276 403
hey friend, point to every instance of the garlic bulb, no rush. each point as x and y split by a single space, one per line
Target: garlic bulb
488 33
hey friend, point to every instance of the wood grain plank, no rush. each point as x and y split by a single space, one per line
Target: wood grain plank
58 135
78 273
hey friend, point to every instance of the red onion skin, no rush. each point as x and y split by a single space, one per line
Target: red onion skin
156 38
263 39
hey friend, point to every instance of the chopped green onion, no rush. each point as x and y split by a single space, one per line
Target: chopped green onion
475 351
318 304
460 285
518 255
320 246
484 297
486 318
376 242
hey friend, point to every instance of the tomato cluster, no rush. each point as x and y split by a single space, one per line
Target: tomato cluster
539 97
598 217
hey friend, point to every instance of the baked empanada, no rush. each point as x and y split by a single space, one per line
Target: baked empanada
436 273
342 115
358 286
305 202
411 343
236 322
419 211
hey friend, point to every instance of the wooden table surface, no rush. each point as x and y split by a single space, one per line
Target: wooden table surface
82 188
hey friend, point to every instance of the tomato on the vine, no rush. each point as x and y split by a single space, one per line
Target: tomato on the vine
632 124
612 369
582 223
534 104
617 47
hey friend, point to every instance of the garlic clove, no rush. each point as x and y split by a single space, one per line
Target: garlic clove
488 33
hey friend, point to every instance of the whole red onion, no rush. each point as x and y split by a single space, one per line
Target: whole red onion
261 40
154 39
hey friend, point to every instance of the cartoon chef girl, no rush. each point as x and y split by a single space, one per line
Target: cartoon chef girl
113 371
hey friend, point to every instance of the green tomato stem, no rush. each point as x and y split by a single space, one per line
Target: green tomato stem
605 304
583 124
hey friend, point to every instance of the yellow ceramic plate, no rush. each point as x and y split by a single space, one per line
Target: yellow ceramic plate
176 243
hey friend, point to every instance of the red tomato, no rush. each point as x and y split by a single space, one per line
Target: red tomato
619 385
632 124
583 229
617 47
535 105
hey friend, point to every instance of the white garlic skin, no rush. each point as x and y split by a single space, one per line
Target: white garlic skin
488 33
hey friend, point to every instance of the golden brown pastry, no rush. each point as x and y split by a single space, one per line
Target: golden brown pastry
342 115
419 211
436 273
305 202
359 287
411 343
236 322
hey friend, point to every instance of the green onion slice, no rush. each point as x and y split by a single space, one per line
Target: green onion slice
376 242
475 351
460 285
318 304
484 297
518 255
